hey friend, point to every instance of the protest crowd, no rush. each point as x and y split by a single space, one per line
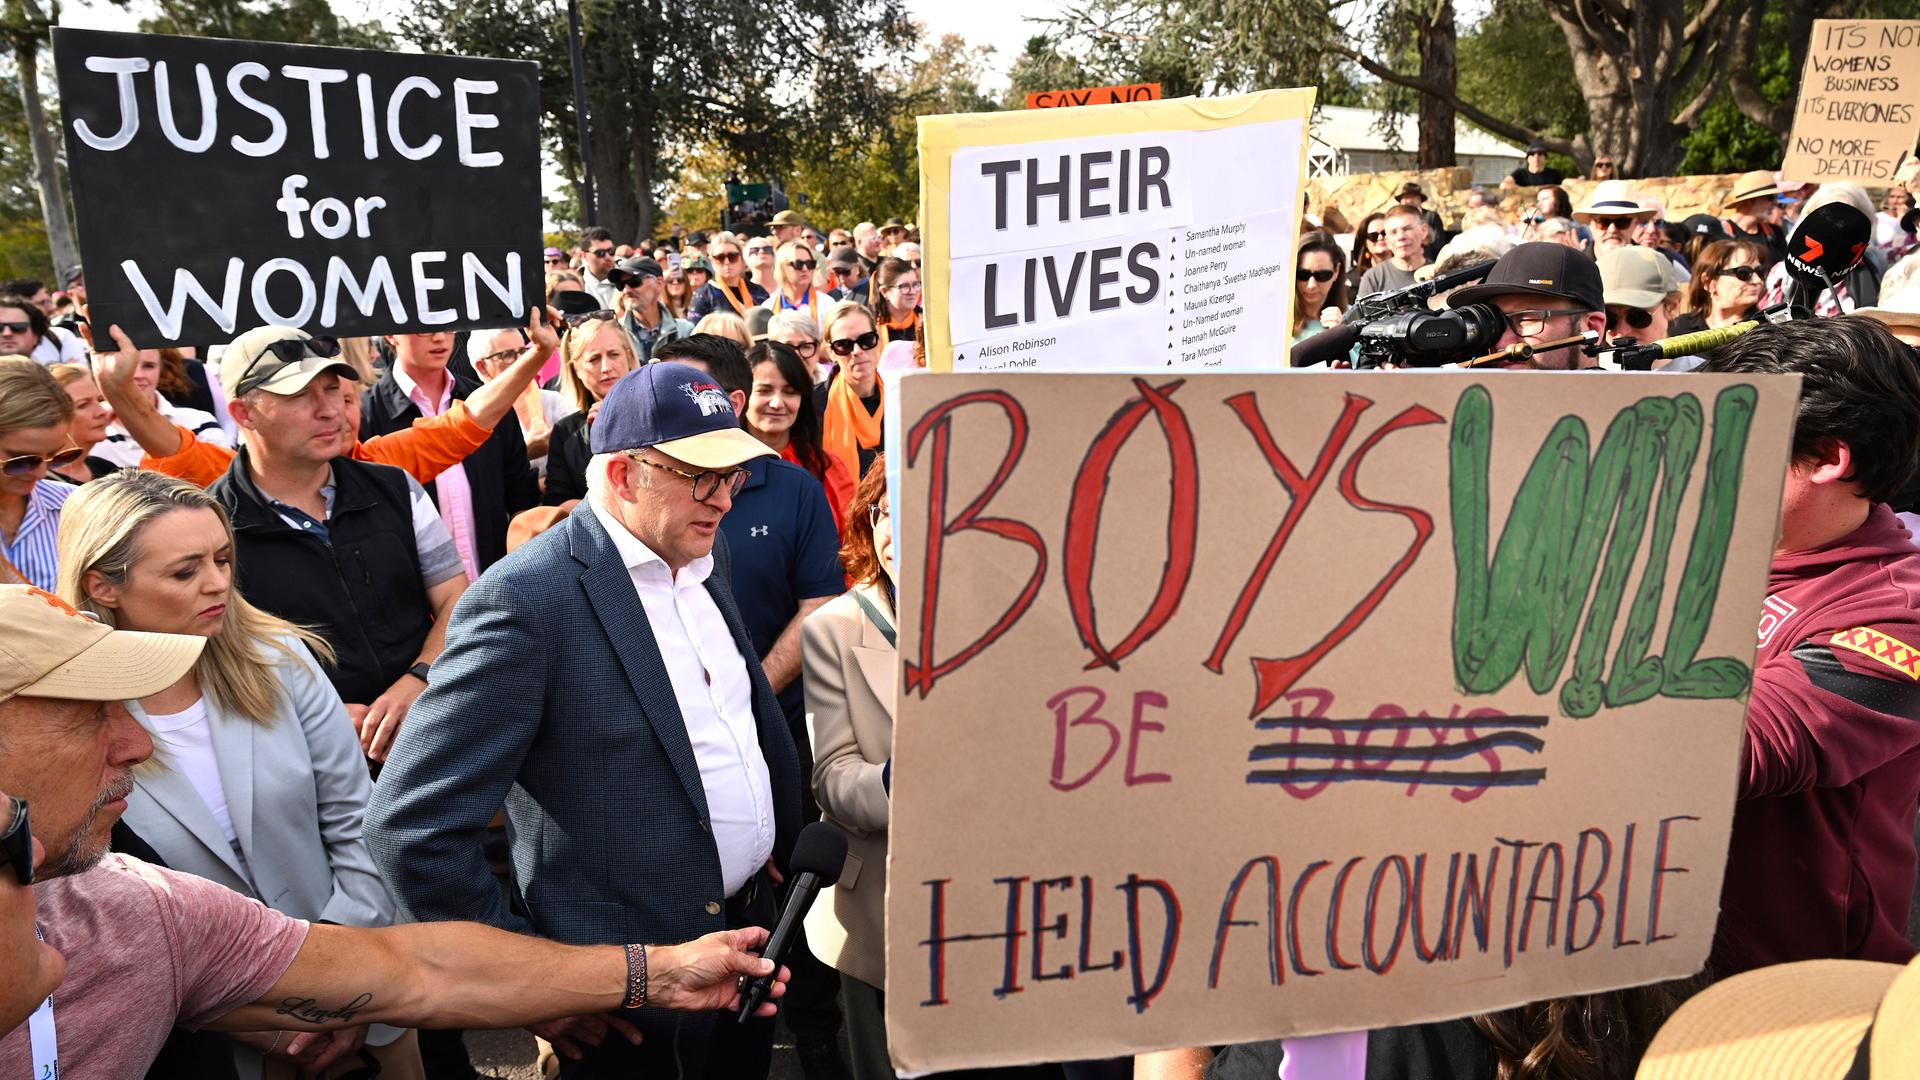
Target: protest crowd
352 697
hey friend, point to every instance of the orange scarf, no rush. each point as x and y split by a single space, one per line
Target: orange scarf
912 319
838 484
740 303
849 428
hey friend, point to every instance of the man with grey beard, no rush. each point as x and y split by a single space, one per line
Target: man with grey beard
145 948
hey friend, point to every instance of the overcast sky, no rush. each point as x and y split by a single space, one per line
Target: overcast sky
999 23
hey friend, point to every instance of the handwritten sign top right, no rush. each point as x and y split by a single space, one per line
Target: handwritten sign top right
1859 108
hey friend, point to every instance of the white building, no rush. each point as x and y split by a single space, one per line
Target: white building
1345 140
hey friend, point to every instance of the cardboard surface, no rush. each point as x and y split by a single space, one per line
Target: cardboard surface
1142 236
1094 95
343 191
1859 107
1241 706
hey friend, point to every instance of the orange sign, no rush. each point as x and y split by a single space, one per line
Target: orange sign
1094 95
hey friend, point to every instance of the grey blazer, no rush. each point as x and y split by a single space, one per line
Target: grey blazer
297 790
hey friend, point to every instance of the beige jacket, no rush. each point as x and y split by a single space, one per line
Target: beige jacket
851 675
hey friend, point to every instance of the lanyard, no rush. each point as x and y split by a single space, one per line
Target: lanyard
46 1049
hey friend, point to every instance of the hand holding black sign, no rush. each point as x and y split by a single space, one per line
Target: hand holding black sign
222 185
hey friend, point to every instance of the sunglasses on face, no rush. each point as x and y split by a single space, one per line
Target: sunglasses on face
556 260
27 464
1376 234
802 264
601 253
1633 317
726 256
845 346
1613 223
1304 274
15 327
1744 273
838 244
759 251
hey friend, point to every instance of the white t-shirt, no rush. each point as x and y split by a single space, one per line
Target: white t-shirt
186 738
121 448
60 347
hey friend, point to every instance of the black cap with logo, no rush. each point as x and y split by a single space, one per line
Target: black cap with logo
1540 269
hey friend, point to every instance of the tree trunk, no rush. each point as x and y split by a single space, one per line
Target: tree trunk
1437 68
46 170
1628 114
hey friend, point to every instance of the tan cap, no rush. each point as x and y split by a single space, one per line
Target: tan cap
249 364
1900 309
50 650
787 217
1793 1020
1637 277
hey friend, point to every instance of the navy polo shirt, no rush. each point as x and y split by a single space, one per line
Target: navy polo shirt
785 550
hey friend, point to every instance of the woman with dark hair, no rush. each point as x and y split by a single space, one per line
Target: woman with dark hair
1320 284
1725 288
1554 201
1369 247
896 301
184 382
780 412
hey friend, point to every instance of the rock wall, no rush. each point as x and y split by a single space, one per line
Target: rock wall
1343 202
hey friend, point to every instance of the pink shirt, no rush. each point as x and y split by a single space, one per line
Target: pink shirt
146 948
453 493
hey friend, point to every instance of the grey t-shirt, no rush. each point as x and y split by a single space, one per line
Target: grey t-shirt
1384 277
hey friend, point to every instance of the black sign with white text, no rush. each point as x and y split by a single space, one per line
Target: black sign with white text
222 185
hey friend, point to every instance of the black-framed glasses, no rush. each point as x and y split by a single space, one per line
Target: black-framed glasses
845 346
500 357
1744 273
1636 318
906 286
1531 322
805 349
16 844
25 464
1304 274
705 484
575 321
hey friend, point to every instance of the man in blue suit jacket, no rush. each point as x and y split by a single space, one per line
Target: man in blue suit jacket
600 680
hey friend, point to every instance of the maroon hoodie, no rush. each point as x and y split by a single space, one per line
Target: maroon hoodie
1822 859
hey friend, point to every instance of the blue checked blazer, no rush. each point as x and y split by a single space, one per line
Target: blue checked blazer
551 696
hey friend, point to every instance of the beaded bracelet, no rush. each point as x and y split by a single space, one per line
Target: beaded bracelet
636 977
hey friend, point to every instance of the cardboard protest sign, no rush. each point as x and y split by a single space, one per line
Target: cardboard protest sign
223 185
1239 706
1094 95
1859 107
1150 235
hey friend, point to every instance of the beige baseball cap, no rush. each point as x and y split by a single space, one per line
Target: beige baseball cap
257 360
1636 277
50 650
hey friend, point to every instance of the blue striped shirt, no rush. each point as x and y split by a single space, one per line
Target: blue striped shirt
33 551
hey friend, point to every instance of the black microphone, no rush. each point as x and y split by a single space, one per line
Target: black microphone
1326 346
1824 248
818 857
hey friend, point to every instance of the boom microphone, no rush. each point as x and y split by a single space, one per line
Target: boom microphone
818 857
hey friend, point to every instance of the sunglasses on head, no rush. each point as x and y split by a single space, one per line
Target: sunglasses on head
574 321
1304 274
1633 317
845 346
292 352
25 464
1744 273
15 327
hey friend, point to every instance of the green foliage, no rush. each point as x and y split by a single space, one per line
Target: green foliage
1502 60
23 235
302 22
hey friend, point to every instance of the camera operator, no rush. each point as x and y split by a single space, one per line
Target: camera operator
1546 292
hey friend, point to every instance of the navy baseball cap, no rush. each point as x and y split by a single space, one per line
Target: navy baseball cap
678 410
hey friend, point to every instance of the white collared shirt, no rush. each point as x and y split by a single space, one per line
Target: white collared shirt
715 695
452 490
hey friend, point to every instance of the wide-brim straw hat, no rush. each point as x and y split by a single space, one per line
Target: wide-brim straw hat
1751 185
1792 1021
1900 309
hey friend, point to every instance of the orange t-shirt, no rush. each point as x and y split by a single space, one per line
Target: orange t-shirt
430 447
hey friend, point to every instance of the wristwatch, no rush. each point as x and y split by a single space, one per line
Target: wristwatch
16 842
419 671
